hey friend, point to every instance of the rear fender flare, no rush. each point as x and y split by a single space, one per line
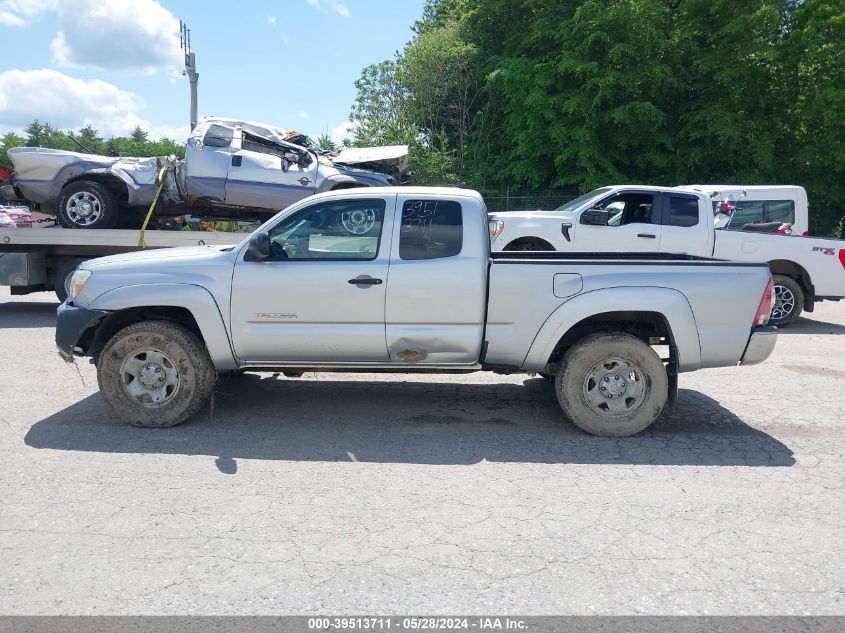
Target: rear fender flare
669 303
196 299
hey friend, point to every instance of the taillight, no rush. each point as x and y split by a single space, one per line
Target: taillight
767 302
805 234
842 257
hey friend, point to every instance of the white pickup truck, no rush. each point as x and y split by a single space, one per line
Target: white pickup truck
402 280
678 220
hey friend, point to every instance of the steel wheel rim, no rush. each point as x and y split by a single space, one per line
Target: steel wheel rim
615 388
150 377
84 208
784 302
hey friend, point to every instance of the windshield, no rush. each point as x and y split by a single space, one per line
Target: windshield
574 204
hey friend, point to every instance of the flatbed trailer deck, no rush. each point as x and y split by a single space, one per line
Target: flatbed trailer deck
35 260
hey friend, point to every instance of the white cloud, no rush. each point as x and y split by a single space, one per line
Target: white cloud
342 131
106 34
324 5
70 103
116 34
22 13
285 39
178 133
271 20
303 114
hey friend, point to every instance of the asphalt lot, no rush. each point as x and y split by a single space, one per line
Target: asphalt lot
408 494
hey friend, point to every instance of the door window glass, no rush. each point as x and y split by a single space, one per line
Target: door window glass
683 211
349 229
430 229
218 136
627 208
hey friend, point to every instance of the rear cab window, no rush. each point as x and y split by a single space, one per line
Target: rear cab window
761 212
431 229
681 211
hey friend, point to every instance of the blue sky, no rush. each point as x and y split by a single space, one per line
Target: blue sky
116 64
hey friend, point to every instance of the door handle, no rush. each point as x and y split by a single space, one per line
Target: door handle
650 236
365 281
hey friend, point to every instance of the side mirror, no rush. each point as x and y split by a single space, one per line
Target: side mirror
595 217
259 247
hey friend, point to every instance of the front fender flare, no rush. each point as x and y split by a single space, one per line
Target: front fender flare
196 299
669 303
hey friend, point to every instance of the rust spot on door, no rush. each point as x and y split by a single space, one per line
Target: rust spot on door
411 355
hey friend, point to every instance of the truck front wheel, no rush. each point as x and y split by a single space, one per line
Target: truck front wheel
155 374
86 204
789 300
612 384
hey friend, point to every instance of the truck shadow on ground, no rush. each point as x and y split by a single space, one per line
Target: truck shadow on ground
811 326
27 314
255 417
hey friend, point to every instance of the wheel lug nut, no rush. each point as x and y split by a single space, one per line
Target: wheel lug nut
607 379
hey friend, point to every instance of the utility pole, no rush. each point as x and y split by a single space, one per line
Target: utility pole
190 68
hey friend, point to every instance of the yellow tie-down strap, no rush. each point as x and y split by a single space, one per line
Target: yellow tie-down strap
160 180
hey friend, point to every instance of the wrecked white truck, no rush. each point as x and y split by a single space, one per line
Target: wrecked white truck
232 170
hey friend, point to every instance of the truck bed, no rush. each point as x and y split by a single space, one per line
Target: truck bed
655 257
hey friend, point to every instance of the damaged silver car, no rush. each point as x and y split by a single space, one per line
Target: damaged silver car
232 169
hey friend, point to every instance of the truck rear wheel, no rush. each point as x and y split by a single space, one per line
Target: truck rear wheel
86 204
612 384
789 301
155 374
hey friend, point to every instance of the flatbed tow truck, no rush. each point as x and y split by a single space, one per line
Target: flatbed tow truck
39 259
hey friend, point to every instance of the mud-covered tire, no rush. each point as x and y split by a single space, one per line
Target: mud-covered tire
61 280
789 301
86 204
155 344
629 400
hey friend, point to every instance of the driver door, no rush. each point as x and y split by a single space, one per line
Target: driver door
269 174
633 225
320 296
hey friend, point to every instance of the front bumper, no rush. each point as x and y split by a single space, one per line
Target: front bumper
760 345
71 324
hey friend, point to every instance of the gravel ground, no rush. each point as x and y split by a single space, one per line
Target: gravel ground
393 494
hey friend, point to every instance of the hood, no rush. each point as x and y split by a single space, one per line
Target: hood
395 156
563 216
367 176
158 258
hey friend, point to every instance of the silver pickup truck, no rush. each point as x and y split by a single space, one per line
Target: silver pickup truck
401 279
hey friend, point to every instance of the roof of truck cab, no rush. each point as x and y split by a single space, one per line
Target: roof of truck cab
654 188
364 192
743 187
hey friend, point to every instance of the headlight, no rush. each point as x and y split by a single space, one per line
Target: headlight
495 227
77 282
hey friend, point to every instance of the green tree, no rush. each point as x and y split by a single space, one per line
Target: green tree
7 142
439 70
380 110
138 135
325 143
